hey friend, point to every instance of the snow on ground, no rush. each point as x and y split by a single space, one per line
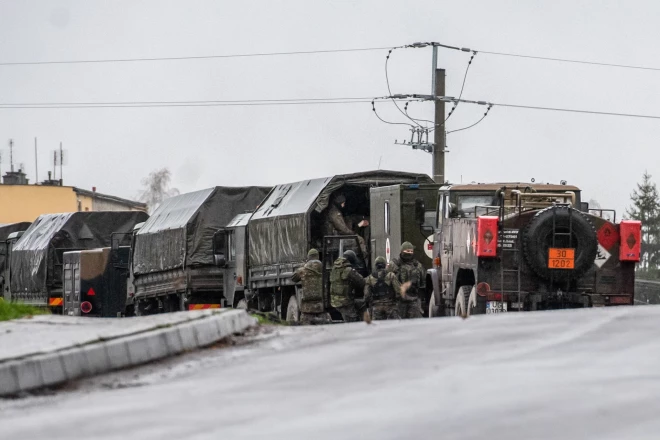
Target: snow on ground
575 374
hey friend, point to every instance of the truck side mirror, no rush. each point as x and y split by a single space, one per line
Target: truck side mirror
584 206
420 209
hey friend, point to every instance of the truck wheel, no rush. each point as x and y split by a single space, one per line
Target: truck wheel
434 310
461 300
292 310
242 304
537 239
471 301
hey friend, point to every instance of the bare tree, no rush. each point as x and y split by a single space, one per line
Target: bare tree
157 188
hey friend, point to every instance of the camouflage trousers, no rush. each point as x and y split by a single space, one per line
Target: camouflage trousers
410 309
349 313
385 311
314 318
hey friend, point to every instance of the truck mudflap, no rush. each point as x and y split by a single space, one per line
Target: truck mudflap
487 301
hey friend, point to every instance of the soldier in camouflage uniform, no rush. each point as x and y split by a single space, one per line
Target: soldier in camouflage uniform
407 269
310 276
344 283
381 291
335 223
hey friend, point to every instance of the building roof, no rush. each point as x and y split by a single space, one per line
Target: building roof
101 196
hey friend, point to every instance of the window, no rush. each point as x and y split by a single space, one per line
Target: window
468 204
386 218
232 246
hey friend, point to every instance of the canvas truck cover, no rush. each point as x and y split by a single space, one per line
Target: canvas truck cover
279 229
180 232
52 232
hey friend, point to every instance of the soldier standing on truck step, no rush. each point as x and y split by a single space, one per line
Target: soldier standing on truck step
335 224
344 283
408 269
381 291
310 276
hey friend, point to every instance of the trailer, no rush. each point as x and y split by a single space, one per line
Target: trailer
36 259
95 282
264 249
175 260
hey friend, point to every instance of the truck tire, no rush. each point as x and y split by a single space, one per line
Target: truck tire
434 310
537 239
292 310
242 304
461 300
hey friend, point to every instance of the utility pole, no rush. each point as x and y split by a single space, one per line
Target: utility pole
438 89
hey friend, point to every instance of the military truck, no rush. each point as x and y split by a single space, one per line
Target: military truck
509 247
9 233
263 250
176 262
36 259
95 281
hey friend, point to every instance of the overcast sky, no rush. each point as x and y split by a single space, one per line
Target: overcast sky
113 149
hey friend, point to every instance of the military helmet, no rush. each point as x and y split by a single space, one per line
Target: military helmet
340 198
407 246
381 260
351 257
313 254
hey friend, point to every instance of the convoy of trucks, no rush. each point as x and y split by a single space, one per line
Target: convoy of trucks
487 248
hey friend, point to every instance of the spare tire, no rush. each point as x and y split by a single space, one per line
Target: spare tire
537 239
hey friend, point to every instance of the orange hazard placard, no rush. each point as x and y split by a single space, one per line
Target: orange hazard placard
560 258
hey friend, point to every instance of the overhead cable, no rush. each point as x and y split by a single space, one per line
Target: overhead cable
199 57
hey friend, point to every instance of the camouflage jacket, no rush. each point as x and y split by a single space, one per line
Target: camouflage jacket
412 271
344 283
382 288
335 224
310 276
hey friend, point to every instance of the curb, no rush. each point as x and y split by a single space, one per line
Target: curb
44 370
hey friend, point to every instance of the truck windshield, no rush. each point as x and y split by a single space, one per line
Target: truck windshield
466 205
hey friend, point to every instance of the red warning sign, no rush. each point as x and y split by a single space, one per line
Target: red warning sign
608 236
91 292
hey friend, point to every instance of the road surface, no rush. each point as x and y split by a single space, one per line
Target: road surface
580 374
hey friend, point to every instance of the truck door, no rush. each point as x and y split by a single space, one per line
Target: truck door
230 275
71 288
445 244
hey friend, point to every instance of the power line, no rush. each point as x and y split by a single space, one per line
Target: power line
200 57
470 126
568 60
364 99
538 57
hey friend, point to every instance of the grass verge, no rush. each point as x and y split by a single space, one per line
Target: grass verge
267 318
9 310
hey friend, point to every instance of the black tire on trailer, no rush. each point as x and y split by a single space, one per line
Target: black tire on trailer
292 310
537 239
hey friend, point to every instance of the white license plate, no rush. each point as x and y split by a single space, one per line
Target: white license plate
495 307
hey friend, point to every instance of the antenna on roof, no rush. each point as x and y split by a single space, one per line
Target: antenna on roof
11 154
36 163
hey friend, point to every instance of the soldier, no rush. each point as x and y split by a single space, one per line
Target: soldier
381 291
407 269
344 283
310 276
335 224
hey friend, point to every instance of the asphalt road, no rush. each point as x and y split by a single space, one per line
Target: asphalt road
584 374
